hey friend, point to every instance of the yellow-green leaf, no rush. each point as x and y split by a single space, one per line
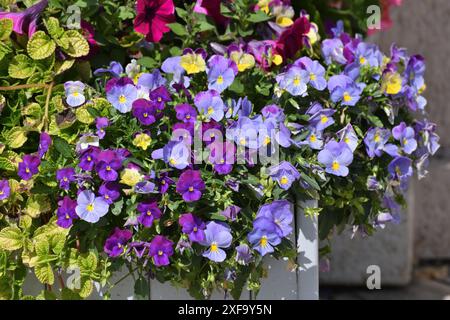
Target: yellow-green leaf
11 238
40 46
37 204
86 287
16 137
44 273
21 67
6 27
84 116
78 45
62 66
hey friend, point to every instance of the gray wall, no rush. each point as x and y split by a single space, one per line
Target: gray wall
423 27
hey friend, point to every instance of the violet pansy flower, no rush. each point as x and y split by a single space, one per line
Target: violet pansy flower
190 185
294 81
110 191
280 212
116 242
149 212
45 142
221 72
193 226
101 123
210 105
5 189
65 176
91 208
66 212
243 254
145 111
74 93
161 249
285 174
265 237
122 97
186 112
336 156
406 136
28 167
217 236
375 141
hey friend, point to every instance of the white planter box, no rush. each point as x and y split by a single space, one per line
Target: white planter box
280 284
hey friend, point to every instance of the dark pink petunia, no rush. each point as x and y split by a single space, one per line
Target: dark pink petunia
211 8
152 18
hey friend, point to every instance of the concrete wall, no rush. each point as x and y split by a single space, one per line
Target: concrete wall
423 27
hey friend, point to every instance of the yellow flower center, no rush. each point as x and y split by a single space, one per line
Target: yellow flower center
159 99
195 229
75 93
163 182
89 158
191 189
145 115
108 168
347 97
67 216
222 161
210 110
377 138
284 180
90 207
122 98
27 170
160 253
347 140
65 179
312 76
214 247
405 141
106 197
1 192
219 79
312 138
362 60
267 140
188 116
242 141
263 241
335 165
296 81
149 213
324 119
172 161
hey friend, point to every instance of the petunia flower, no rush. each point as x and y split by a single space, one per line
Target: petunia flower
210 105
217 236
65 176
285 174
5 189
193 226
152 18
190 185
149 212
116 242
336 156
280 213
25 22
66 212
28 167
91 208
221 72
161 249
74 91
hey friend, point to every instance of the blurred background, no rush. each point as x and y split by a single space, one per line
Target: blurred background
413 257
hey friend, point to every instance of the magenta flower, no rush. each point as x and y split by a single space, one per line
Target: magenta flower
190 185
5 189
149 212
193 226
145 111
25 22
29 166
161 249
212 9
65 176
114 245
152 18
66 212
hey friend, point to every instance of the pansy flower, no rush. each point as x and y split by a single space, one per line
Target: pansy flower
88 158
101 123
145 111
149 212
110 191
186 112
66 212
190 185
116 242
231 212
161 249
74 93
108 164
336 156
122 97
115 69
265 237
221 72
151 81
406 136
29 166
375 141
45 142
174 153
294 81
91 208
243 254
193 62
164 182
5 189
142 140
65 176
193 226
210 105
348 135
217 236
160 96
285 174
315 70
280 213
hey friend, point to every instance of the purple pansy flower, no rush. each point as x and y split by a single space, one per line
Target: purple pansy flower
110 191
400 168
348 135
315 70
210 105
89 207
221 72
66 212
273 111
243 254
280 213
186 112
164 182
149 212
173 66
222 156
190 185
122 97
231 212
101 123
294 81
88 158
284 173
320 118
344 90
160 96
5 189
108 164
65 176
336 156
115 69
193 226
375 141
145 111
406 136
114 245
314 140
161 249
45 141
333 51
217 236
265 237
29 166
175 153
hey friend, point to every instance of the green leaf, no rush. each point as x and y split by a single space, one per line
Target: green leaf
11 238
84 116
40 46
16 137
375 121
44 273
125 13
61 66
141 288
36 205
25 222
6 28
237 86
21 67
86 287
7 164
205 26
88 264
117 208
62 147
53 28
258 16
78 45
178 29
